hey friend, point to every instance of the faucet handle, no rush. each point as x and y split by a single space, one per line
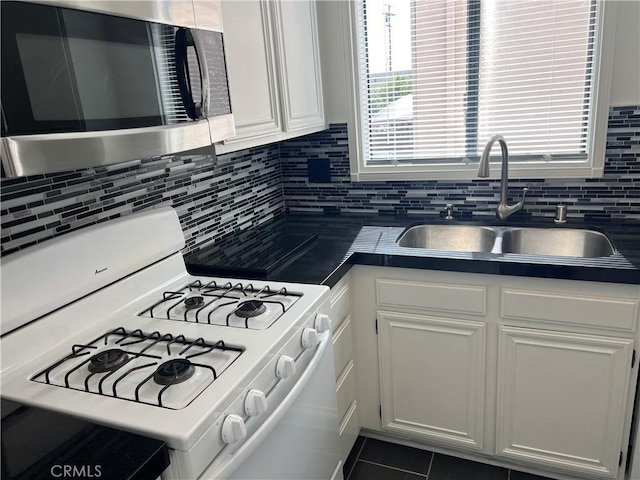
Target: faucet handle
504 210
524 194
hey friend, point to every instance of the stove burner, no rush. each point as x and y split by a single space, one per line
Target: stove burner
107 360
250 308
174 371
193 302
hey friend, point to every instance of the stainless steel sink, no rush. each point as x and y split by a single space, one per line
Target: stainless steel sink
565 242
458 238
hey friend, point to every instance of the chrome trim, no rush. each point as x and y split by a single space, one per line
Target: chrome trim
59 152
208 14
179 13
561 214
221 128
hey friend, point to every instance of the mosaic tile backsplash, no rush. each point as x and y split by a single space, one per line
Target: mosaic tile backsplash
616 195
213 196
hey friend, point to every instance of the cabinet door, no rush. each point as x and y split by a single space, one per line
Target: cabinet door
432 378
562 399
251 67
299 62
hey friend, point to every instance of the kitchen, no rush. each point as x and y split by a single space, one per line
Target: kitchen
232 192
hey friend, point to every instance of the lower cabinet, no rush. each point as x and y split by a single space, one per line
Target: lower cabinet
345 366
432 378
561 399
532 374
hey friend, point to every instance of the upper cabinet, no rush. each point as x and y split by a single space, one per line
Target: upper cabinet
273 64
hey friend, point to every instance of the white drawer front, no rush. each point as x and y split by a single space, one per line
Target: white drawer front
340 305
346 390
349 430
469 299
342 346
606 312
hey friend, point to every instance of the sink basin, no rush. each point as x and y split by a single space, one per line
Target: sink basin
458 238
565 242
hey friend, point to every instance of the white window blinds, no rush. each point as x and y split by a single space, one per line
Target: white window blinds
440 77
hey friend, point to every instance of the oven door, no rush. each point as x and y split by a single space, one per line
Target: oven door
38 444
300 439
89 89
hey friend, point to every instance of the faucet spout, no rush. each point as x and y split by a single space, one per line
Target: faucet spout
504 209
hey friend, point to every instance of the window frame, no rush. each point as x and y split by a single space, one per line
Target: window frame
593 167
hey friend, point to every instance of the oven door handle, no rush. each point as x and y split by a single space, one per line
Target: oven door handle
233 461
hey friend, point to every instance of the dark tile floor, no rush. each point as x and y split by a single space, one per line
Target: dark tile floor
372 459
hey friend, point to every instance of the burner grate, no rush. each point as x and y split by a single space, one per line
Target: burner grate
116 371
225 304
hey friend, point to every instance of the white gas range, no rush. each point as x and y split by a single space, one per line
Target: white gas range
220 369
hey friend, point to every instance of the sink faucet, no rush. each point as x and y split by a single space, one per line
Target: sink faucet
504 209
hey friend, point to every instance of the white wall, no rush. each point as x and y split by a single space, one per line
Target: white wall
333 28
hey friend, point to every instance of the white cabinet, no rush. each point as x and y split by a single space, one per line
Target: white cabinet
561 399
345 365
273 65
528 373
432 378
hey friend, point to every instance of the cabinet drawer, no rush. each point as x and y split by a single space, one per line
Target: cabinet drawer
346 389
342 346
349 430
340 305
606 312
469 299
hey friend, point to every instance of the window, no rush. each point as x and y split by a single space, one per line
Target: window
437 78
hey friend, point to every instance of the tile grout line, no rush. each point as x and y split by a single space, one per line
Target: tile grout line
357 458
361 448
425 476
392 468
430 465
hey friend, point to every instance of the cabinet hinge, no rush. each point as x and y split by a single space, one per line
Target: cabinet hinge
380 412
620 461
633 358
376 325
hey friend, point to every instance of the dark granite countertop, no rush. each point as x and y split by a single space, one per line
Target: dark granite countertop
326 247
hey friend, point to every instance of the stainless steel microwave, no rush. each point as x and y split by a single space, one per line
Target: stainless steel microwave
87 83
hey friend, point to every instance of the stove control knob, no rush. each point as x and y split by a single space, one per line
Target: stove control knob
323 323
233 429
255 403
285 367
309 338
